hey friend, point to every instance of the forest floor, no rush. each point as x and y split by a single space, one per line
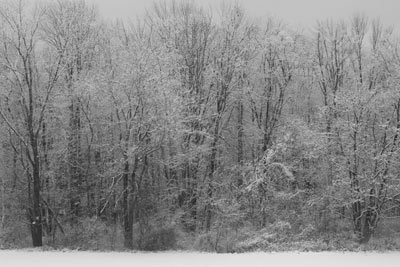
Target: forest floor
186 259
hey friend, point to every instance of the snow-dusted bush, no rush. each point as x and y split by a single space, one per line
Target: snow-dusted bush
86 234
159 240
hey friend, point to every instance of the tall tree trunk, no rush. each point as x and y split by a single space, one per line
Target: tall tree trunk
36 218
213 167
74 152
240 135
213 164
189 197
2 192
191 172
129 201
128 216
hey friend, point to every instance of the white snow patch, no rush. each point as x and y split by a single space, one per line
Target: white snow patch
186 259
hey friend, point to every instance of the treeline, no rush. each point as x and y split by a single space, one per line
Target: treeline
194 129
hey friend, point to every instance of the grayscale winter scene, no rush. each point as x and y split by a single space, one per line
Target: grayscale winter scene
199 133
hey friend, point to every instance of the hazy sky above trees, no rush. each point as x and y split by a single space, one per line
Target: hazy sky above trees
304 12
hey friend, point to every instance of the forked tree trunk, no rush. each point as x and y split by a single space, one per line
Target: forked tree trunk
129 201
365 218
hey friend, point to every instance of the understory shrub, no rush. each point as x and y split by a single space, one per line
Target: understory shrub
15 235
89 234
159 240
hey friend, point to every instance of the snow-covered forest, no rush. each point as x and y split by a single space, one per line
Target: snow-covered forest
196 129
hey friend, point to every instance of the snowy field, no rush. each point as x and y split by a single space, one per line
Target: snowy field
183 259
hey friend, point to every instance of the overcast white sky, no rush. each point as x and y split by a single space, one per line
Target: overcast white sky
305 12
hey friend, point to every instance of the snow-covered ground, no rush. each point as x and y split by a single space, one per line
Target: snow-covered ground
183 259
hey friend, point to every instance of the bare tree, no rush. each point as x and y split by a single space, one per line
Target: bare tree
71 27
274 72
31 84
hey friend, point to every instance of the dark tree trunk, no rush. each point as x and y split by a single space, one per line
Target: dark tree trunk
191 196
36 218
210 186
240 135
129 201
213 166
127 212
367 218
366 231
74 155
